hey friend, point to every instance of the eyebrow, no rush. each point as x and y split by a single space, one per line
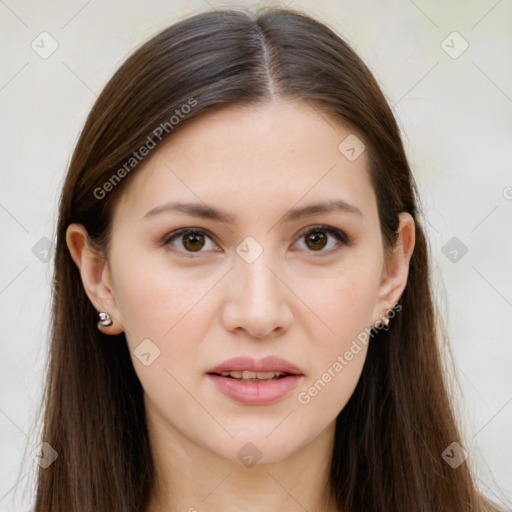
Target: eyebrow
207 212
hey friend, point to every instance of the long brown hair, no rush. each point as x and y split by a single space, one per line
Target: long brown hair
391 434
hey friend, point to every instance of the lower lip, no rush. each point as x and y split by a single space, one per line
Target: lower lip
255 393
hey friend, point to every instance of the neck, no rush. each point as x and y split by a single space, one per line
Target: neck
192 478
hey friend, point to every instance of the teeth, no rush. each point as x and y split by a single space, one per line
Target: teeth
247 375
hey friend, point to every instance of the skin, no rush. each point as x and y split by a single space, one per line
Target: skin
305 303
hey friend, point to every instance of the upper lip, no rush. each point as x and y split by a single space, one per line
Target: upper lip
266 364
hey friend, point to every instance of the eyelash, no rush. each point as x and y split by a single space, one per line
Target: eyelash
342 238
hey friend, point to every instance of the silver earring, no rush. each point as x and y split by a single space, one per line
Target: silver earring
105 320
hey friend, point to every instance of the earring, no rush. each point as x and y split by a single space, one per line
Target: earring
384 322
105 320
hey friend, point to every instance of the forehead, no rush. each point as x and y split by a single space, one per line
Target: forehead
257 157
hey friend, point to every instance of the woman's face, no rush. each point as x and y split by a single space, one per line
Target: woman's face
265 274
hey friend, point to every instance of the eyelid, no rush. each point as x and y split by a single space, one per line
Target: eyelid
166 240
340 235
337 233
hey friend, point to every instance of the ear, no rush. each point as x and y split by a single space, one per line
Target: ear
396 268
95 275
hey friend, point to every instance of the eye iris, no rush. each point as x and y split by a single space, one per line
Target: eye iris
193 239
316 237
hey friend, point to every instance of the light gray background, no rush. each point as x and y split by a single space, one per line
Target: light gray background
456 119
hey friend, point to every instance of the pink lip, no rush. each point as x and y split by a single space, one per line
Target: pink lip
256 393
267 364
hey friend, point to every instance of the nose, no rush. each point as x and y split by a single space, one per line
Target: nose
257 300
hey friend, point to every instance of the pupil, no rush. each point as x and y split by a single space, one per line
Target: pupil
316 238
191 241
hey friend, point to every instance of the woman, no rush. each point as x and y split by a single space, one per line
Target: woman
242 313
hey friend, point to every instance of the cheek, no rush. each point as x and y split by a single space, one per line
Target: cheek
328 390
337 360
345 306
172 308
155 297
343 303
165 316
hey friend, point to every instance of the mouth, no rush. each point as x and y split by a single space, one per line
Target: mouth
250 381
246 367
248 376
255 391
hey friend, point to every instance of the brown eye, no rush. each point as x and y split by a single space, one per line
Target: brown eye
187 241
193 241
318 238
